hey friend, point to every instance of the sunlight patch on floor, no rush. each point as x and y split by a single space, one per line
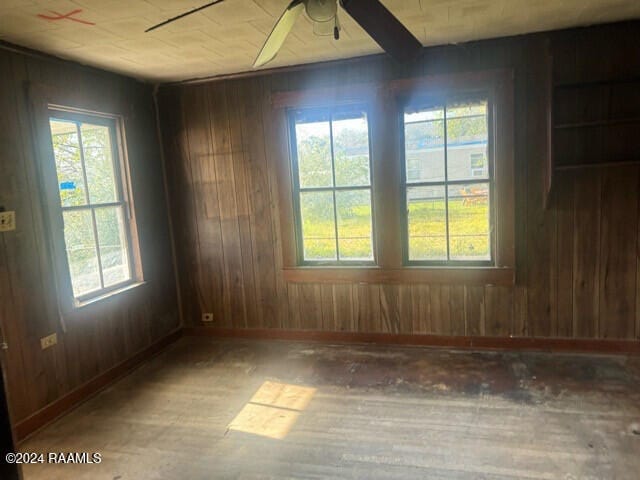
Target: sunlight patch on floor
273 410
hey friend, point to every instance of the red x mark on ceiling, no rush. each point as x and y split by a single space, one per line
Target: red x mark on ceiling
65 16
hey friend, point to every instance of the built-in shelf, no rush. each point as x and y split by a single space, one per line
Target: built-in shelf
597 123
593 108
596 83
596 136
608 164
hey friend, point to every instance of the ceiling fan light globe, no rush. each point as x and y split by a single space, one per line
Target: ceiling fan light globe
324 29
321 10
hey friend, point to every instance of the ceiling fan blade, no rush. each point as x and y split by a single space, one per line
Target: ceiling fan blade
177 17
384 28
279 33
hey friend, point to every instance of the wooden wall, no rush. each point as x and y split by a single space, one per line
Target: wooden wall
577 260
105 334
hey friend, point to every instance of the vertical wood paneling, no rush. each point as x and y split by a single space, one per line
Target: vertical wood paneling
520 326
273 130
586 255
293 304
259 195
343 308
474 310
405 308
618 256
368 308
499 311
565 244
362 313
100 336
328 311
389 311
444 319
253 313
576 260
420 309
435 302
182 200
202 218
457 310
540 222
226 162
21 393
312 312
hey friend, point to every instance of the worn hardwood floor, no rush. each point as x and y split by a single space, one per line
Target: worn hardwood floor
207 409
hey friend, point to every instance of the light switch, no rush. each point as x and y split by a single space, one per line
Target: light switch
7 221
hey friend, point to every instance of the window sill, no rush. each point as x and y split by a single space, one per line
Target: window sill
107 296
444 275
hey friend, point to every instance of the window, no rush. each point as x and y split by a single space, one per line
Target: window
416 188
448 204
478 164
92 202
332 186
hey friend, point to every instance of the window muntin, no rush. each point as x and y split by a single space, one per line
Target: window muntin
447 196
93 206
332 186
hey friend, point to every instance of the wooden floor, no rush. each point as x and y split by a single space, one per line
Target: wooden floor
206 409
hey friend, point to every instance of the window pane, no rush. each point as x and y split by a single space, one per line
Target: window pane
318 226
66 151
113 245
424 145
351 150
427 223
467 141
98 161
469 222
313 141
355 232
81 251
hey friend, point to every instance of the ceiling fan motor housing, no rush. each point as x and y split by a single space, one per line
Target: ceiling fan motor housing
321 10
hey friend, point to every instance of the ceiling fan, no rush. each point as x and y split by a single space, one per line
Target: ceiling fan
371 15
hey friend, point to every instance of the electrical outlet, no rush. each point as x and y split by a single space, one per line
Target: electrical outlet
49 341
7 221
207 317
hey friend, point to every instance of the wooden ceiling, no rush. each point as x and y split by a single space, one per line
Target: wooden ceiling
227 37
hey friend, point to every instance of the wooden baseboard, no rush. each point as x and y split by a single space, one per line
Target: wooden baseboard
62 405
569 345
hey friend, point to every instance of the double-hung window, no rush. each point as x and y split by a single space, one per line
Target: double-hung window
448 198
332 185
416 188
92 201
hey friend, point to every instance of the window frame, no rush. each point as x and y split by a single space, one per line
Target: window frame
60 300
122 197
331 110
386 148
424 101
